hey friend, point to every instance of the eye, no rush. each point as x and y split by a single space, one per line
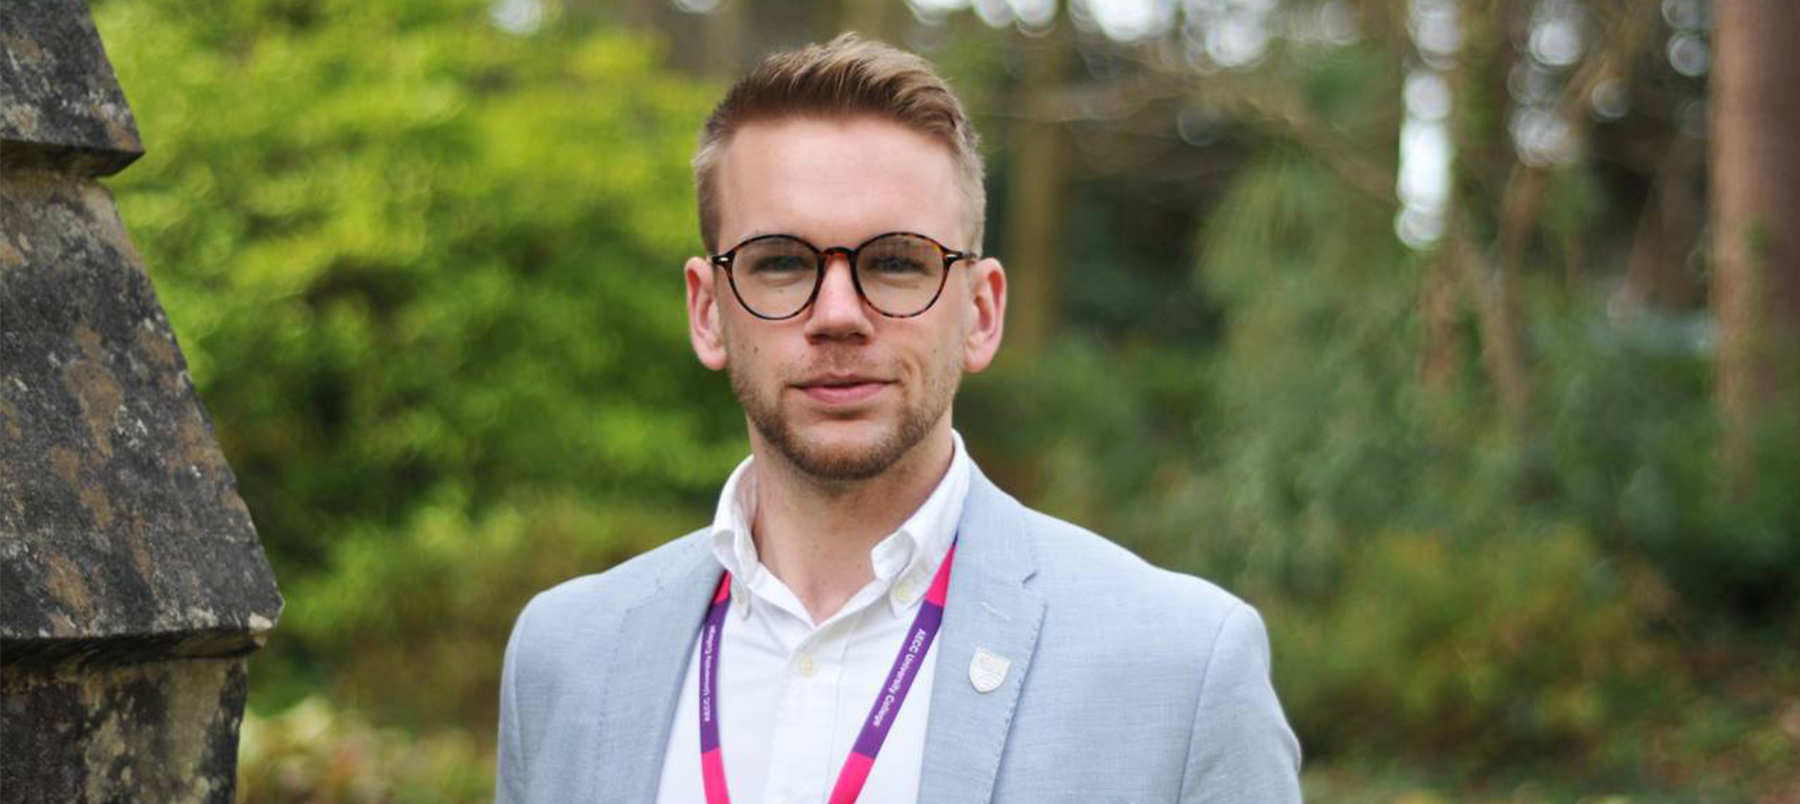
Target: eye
894 265
774 265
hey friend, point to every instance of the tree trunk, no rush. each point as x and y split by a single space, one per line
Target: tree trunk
1036 197
1755 107
1493 199
1670 224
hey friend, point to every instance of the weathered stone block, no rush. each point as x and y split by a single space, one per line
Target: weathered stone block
162 731
60 106
132 584
121 530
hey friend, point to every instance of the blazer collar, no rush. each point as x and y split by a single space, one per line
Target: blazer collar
989 607
648 665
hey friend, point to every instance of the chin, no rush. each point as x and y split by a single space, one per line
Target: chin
845 450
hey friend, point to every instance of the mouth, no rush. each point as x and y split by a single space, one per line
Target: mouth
841 390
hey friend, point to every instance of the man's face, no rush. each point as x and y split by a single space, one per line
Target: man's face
841 391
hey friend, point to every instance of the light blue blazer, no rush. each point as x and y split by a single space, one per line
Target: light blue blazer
1127 683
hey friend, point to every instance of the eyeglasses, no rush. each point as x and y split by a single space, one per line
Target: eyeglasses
900 274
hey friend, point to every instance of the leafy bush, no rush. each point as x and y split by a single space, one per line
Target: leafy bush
426 275
1521 644
437 598
410 255
316 751
1636 456
1589 600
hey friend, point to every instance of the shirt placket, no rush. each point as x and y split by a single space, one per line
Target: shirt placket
800 767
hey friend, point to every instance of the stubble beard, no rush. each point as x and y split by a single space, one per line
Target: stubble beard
822 463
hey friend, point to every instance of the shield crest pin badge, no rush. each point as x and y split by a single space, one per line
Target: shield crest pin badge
987 670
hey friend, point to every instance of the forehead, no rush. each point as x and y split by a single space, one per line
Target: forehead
837 181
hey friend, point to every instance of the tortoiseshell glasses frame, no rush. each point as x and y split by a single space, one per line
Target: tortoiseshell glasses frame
898 274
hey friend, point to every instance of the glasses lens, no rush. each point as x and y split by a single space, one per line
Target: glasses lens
774 276
900 273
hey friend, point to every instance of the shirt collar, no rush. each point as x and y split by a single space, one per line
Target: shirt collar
904 562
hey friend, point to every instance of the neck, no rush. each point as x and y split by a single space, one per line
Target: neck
816 534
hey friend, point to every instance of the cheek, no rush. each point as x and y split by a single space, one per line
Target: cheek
943 354
749 356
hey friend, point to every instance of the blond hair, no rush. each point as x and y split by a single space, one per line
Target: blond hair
847 76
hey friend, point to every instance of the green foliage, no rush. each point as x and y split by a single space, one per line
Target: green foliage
1434 589
1313 379
1633 451
426 274
439 595
1520 644
317 751
409 256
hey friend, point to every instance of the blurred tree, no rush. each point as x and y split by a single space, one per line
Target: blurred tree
1036 192
424 257
432 252
1756 218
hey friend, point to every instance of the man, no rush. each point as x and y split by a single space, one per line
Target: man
868 618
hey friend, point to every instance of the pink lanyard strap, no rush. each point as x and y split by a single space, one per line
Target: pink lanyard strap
888 698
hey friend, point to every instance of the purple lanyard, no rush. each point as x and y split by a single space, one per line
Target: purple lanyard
881 715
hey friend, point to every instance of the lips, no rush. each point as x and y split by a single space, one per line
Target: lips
841 390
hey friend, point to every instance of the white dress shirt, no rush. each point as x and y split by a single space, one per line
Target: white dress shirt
793 695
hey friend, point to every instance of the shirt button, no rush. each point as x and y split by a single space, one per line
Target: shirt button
906 593
808 666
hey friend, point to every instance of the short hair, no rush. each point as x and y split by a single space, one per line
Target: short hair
847 76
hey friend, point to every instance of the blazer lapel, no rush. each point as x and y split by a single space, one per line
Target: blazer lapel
648 665
989 607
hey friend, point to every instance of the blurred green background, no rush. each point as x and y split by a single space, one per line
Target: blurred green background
1391 316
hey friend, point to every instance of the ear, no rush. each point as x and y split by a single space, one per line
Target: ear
704 329
987 314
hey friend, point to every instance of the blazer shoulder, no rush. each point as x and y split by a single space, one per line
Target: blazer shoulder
1073 559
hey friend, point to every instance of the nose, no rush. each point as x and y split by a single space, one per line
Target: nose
838 311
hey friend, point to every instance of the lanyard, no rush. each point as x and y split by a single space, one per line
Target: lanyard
881 715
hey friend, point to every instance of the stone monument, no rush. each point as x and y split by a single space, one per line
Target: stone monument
132 584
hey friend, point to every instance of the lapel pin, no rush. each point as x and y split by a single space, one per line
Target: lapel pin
987 670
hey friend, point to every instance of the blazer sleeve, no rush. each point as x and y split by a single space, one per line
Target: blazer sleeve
1241 749
509 782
